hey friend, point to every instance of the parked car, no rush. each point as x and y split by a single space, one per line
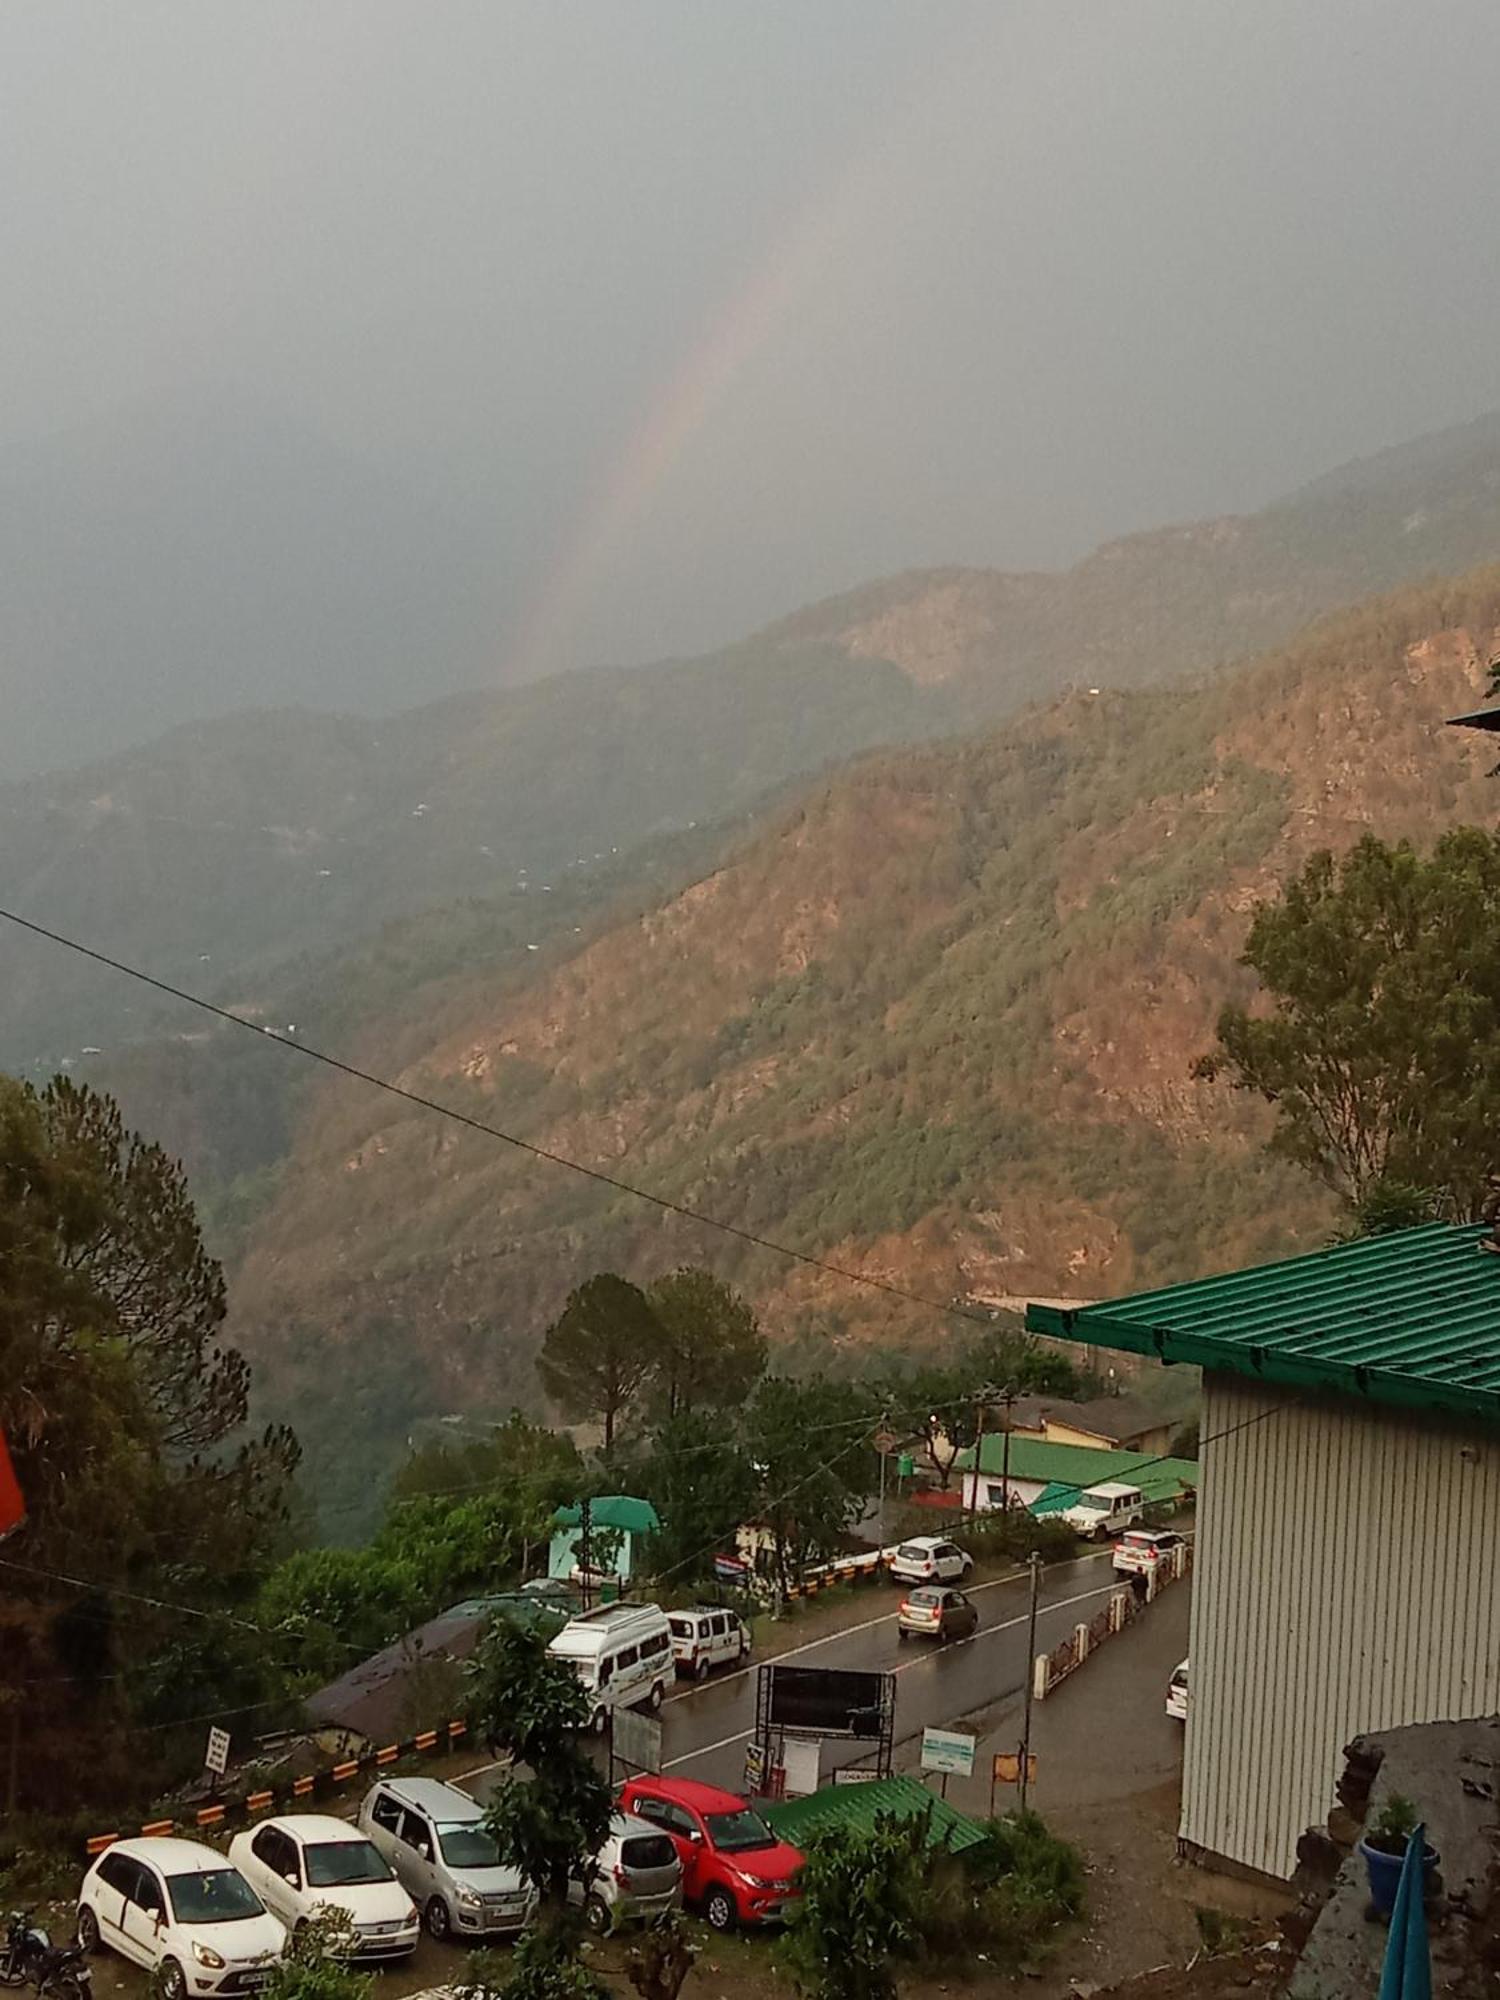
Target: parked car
435 1838
1177 1693
621 1652
635 1877
933 1611
930 1559
733 1867
180 1910
705 1636
305 1863
1104 1510
1143 1551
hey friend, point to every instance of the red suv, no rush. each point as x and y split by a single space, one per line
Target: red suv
733 1866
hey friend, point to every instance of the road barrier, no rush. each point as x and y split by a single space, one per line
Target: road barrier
312 1785
1125 1605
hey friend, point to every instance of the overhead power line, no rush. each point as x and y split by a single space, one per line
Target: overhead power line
464 1118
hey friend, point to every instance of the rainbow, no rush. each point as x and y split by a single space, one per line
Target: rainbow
619 494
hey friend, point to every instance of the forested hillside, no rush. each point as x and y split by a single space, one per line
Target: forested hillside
935 1020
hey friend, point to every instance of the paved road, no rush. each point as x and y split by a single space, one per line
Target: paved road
707 1728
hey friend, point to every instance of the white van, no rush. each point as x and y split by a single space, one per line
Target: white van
705 1636
1107 1509
622 1653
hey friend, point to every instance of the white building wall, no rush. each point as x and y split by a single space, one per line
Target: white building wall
1345 1580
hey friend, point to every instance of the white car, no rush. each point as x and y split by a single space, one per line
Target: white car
306 1863
180 1910
1177 1693
930 1559
1145 1551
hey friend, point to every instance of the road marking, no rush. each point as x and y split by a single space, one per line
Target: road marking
849 1632
921 1660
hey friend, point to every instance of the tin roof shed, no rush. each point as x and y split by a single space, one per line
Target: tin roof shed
1412 1318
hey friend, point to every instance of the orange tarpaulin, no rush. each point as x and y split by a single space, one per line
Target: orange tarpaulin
12 1506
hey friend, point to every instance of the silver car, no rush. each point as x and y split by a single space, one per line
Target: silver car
635 1877
445 1858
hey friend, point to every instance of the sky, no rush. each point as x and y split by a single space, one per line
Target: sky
358 351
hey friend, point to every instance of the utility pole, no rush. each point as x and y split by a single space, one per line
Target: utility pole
1035 1564
979 1416
1008 1398
585 1550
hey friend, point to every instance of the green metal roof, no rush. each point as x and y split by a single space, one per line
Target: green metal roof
1411 1318
613 1510
797 1820
1479 718
1078 1465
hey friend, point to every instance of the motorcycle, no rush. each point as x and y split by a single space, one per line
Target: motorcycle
28 1957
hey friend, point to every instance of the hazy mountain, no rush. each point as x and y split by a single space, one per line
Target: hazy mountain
226 848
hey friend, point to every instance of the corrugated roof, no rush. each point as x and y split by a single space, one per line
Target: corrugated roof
1080 1465
613 1510
797 1820
1479 718
1412 1318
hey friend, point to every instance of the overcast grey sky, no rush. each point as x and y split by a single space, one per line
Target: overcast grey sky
688 311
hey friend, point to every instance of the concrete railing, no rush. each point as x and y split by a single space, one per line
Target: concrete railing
1125 1605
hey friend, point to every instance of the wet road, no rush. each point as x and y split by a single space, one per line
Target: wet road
707 1728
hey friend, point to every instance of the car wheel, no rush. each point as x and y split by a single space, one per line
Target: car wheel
439 1922
658 1695
601 1721
700 1672
720 1910
596 1914
170 1980
88 1929
902 1634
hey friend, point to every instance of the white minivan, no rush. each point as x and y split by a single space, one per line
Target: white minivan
622 1653
705 1636
1105 1510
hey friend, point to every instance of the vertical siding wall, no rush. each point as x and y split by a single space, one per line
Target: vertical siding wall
1345 1580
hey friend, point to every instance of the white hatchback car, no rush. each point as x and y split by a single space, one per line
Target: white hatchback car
180 1910
930 1559
304 1863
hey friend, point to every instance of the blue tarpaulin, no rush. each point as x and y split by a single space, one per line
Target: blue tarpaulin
1407 1972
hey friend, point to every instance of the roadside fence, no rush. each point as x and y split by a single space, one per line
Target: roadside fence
1125 1605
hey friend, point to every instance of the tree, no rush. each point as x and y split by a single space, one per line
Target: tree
942 1406
858 1914
712 1350
124 1414
550 1824
811 1444
515 1453
702 1485
600 1351
1381 1050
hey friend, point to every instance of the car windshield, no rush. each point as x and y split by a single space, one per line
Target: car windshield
217 1896
468 1847
913 1553
647 1850
925 1597
338 1864
738 1832
1095 1503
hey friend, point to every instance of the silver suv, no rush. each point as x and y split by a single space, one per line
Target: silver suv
635 1877
445 1858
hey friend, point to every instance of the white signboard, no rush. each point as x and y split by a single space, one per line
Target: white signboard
943 1750
851 1774
216 1757
802 1760
637 1740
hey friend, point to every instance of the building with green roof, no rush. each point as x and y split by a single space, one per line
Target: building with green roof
1348 1514
797 1820
1021 1471
618 1524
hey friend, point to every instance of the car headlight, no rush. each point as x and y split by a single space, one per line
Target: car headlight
413 1915
752 1881
206 1955
470 1899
